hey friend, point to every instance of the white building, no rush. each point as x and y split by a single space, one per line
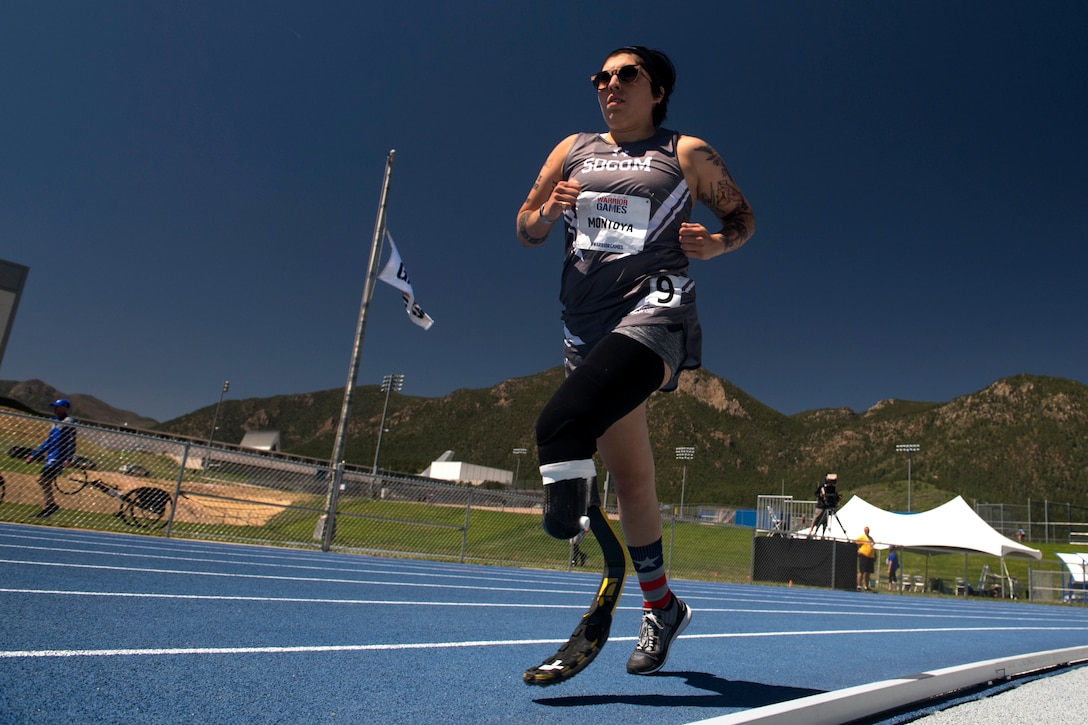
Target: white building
446 470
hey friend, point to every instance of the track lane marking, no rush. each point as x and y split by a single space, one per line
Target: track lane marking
550 605
174 651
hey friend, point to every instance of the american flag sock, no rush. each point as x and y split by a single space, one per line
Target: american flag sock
649 564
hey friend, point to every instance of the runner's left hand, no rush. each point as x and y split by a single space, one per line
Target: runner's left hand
698 243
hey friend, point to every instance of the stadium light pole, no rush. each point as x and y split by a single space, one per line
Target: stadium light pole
389 384
519 452
685 454
909 449
215 419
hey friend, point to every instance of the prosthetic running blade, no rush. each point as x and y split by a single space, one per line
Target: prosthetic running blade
592 631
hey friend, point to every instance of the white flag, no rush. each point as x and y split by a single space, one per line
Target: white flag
395 274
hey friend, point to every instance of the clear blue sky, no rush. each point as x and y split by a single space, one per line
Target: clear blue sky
194 186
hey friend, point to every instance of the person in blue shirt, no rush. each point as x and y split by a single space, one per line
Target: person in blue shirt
58 450
893 569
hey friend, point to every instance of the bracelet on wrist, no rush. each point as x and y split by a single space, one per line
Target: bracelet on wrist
544 218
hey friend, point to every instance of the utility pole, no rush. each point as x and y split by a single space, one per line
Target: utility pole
215 419
390 383
909 449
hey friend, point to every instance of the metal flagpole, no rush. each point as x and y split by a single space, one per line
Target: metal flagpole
336 463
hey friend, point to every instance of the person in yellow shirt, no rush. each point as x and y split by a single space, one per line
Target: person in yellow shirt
866 559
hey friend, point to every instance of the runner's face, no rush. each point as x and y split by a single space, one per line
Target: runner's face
625 103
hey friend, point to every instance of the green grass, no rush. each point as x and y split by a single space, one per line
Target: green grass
697 551
400 528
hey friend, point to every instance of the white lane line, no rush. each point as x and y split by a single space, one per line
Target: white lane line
16 654
549 605
322 580
294 600
887 630
273 564
165 651
235 553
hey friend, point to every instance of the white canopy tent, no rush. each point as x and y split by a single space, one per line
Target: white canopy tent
1077 564
951 527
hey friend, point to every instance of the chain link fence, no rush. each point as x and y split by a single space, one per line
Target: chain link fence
1040 521
161 485
1068 586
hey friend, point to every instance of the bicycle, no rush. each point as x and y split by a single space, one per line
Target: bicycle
144 507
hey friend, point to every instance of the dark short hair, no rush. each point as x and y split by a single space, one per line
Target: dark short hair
662 75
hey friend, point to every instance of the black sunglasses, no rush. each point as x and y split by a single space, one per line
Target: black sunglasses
626 74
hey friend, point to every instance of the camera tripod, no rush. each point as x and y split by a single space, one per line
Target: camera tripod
821 521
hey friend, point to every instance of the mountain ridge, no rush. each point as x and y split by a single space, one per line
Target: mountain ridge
1019 438
36 396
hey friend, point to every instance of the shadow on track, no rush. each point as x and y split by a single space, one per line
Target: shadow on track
727 694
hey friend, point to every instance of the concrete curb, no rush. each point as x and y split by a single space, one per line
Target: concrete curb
853 703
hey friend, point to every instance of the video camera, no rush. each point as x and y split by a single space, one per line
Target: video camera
827 494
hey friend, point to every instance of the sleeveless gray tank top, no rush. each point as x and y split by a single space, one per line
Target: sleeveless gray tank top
624 266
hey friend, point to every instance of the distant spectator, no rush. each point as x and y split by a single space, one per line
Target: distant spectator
866 560
58 450
893 568
577 556
1021 535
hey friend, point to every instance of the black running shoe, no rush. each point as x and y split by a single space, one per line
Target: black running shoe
659 628
47 511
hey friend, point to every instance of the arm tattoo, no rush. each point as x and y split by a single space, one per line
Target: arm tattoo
523 229
735 230
523 220
727 202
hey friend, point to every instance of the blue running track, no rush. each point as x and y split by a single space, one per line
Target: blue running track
108 628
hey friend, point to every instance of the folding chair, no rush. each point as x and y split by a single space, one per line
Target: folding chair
776 522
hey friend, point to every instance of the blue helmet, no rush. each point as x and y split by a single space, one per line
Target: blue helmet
61 402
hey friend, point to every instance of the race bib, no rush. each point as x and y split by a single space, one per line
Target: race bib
666 290
612 222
